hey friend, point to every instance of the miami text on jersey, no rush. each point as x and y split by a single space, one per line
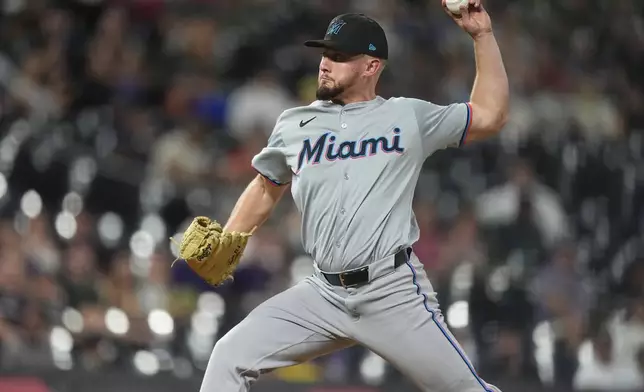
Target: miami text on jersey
347 149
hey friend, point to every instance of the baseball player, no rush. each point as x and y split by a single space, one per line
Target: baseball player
352 160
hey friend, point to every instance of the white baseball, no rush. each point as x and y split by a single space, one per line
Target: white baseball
454 6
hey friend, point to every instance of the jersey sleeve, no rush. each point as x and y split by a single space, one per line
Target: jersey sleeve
442 126
271 161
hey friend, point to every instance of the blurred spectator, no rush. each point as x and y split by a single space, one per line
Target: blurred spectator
136 131
183 157
13 279
154 292
257 104
633 279
601 372
459 245
428 246
28 346
523 203
45 292
627 332
79 276
596 114
39 245
564 300
119 290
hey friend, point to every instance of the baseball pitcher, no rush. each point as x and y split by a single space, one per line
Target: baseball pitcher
352 160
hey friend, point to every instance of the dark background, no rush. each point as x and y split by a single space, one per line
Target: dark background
121 120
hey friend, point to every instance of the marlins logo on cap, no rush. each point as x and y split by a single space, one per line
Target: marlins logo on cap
335 27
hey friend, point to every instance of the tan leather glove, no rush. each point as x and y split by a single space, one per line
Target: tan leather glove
210 251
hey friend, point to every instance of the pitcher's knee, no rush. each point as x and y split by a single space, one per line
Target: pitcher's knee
233 357
230 367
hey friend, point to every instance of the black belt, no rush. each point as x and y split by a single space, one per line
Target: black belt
360 276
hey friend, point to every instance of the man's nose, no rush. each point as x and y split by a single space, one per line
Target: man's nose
325 64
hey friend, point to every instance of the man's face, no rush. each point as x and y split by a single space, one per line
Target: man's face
638 312
338 73
522 176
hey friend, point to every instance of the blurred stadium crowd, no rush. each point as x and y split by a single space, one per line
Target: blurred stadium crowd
122 120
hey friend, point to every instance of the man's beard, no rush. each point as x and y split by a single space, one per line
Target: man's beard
324 93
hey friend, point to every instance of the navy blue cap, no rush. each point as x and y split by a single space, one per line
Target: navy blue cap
354 34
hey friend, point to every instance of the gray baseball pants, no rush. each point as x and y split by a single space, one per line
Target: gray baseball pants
396 316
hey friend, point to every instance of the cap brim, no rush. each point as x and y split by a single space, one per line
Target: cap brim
327 44
321 43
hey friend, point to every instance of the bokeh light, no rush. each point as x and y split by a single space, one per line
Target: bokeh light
3 186
73 203
61 340
146 363
142 244
372 369
110 229
117 321
458 315
160 322
31 203
73 320
65 225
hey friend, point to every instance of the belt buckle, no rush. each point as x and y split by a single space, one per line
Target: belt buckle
341 276
344 284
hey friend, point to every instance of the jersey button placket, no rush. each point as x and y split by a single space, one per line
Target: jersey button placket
344 125
340 222
341 211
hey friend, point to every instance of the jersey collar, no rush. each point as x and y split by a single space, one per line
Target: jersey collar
357 106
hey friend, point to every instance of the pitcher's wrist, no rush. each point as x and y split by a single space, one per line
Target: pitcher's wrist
482 34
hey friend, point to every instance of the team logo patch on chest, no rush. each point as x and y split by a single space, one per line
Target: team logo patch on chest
326 147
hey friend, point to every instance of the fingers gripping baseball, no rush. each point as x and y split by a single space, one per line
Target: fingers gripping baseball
210 251
470 15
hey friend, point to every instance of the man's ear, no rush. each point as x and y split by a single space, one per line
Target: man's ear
374 66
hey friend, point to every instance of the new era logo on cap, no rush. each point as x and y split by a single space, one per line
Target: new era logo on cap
371 47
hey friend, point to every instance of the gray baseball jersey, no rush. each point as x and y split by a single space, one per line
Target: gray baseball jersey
354 170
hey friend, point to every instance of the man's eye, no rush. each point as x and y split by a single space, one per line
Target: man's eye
337 57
